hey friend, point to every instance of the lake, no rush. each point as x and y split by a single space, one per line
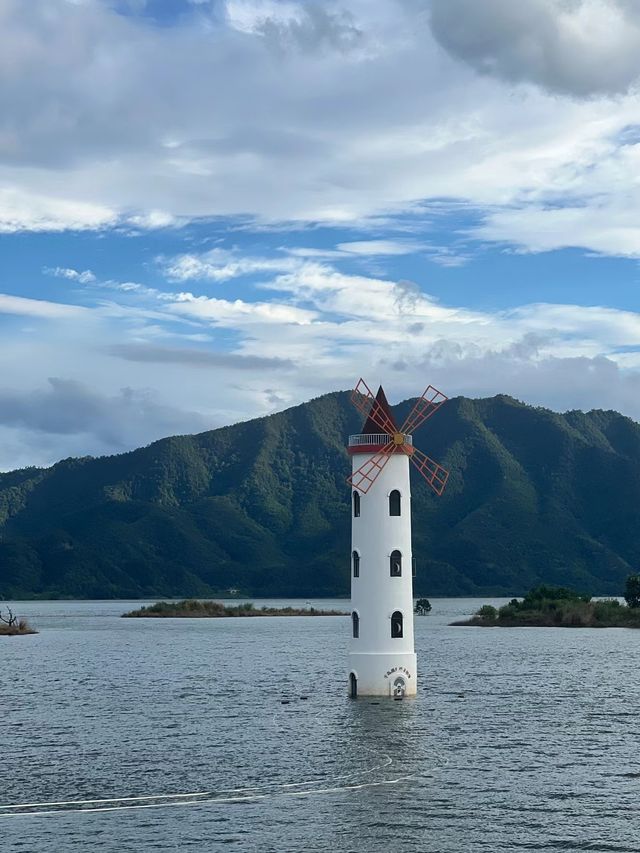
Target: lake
520 739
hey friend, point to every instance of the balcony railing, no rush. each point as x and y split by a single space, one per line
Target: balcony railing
374 438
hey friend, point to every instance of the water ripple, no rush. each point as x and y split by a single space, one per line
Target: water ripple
519 740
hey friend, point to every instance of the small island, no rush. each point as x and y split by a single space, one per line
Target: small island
558 607
11 626
193 609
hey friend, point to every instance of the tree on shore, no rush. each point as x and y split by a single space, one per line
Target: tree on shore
10 625
11 620
632 591
557 607
423 606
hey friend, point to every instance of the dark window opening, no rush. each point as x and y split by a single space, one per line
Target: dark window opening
353 685
396 625
355 623
356 504
394 502
395 564
356 564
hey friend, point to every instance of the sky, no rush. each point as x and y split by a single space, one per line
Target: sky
211 211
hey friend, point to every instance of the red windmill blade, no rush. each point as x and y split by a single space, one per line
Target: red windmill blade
365 402
433 473
365 476
425 406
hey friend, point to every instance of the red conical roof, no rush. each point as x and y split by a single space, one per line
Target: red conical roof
371 427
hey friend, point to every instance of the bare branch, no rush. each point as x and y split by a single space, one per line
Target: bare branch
11 620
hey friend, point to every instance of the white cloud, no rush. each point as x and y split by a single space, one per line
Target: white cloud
83 277
249 16
24 210
220 265
446 256
379 247
311 252
22 306
237 312
609 229
152 219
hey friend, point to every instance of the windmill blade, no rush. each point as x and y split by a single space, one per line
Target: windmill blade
433 473
365 476
365 402
425 406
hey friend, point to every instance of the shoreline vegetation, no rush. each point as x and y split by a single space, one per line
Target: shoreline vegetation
194 609
11 626
558 607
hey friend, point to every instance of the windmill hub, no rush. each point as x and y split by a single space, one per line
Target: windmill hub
382 659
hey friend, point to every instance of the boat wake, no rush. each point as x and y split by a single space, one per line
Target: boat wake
356 781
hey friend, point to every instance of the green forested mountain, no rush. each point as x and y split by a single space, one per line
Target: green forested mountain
263 506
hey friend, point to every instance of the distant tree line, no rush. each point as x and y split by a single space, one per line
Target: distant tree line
549 606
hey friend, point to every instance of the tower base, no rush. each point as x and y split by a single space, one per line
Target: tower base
380 674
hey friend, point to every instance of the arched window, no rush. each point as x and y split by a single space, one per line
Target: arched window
395 564
356 564
353 685
355 624
394 502
356 504
396 625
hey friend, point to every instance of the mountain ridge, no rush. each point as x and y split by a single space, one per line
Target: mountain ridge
262 506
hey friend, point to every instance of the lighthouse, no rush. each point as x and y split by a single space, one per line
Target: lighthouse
382 659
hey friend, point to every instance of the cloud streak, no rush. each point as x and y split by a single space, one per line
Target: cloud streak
22 306
197 358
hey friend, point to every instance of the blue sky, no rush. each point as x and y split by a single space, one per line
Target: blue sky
210 211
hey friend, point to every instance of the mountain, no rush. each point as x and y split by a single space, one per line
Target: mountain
262 506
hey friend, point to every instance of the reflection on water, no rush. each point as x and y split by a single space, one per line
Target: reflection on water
199 734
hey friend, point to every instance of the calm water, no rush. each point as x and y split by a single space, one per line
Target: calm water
520 739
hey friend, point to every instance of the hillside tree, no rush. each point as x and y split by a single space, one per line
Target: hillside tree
632 591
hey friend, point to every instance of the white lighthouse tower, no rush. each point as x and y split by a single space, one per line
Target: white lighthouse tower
382 659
